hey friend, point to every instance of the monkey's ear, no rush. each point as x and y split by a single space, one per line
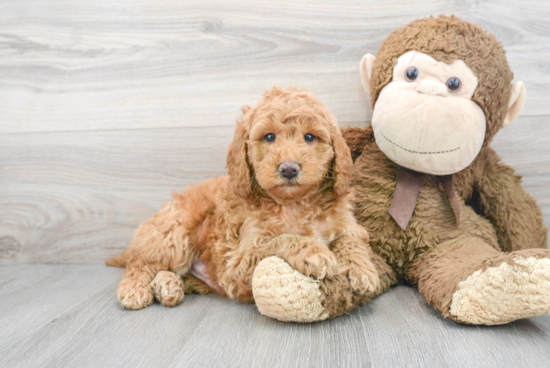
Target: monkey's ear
366 70
515 105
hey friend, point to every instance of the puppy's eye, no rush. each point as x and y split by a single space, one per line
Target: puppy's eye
309 138
411 74
454 84
269 138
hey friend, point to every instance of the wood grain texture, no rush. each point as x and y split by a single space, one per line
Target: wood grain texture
55 323
73 196
79 196
31 297
88 65
106 107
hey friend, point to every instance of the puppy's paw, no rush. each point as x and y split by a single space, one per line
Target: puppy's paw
134 296
363 277
315 260
168 288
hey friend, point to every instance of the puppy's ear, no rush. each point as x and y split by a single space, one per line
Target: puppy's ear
343 164
237 162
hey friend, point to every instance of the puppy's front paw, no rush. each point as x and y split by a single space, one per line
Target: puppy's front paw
363 277
168 288
315 260
134 296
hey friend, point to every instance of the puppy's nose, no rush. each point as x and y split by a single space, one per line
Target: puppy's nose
289 169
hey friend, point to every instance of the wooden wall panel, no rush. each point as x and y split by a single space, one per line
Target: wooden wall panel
75 65
106 107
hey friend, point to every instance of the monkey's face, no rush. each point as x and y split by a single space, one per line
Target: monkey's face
425 119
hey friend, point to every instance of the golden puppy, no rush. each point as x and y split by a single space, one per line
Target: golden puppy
286 195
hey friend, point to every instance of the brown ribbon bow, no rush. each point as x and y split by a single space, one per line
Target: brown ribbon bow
406 193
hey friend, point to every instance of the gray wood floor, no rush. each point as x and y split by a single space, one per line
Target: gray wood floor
68 316
108 106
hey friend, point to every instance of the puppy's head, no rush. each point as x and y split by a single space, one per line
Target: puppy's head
291 146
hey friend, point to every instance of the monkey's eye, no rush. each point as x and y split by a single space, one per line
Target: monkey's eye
269 138
453 84
309 138
411 74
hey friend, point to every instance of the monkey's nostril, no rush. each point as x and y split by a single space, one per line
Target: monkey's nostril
289 169
432 88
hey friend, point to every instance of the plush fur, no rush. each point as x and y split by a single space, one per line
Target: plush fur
448 39
491 269
433 253
214 234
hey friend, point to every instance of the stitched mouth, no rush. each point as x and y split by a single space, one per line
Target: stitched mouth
418 152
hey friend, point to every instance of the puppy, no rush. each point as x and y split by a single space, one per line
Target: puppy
286 194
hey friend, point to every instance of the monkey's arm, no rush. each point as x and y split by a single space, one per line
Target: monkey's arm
356 139
514 213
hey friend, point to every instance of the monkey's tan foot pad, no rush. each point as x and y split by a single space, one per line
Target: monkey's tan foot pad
168 288
283 293
504 293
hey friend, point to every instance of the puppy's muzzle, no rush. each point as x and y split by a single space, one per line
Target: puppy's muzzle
289 169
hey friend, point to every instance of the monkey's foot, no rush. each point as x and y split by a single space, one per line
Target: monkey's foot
283 293
502 294
168 288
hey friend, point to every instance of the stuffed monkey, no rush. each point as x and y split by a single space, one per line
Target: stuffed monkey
443 213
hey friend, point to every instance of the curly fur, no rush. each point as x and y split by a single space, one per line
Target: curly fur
492 268
219 230
499 221
496 215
